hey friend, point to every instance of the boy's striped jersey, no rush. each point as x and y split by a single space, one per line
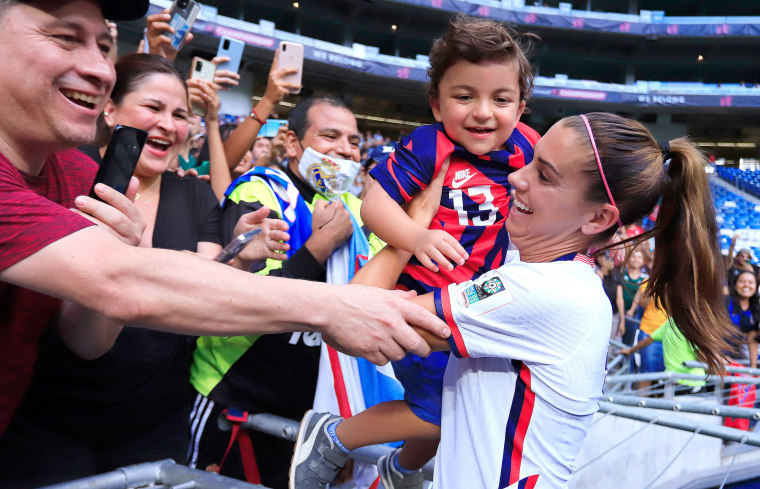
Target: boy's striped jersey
474 201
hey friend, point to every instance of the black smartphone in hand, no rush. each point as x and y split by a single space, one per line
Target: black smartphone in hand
120 159
235 246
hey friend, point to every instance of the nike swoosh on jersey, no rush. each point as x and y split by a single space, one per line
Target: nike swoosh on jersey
457 184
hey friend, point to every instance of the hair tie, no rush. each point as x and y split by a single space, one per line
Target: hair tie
599 164
665 149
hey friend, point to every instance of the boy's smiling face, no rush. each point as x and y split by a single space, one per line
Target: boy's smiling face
479 104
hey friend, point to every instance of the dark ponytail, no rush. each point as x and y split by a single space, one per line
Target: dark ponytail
687 275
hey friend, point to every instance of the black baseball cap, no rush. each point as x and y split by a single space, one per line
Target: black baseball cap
124 9
120 9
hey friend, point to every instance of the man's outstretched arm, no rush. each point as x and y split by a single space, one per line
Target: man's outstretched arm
179 292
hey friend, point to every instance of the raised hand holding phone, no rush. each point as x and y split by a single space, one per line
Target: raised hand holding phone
120 159
183 14
110 203
232 49
157 36
290 57
200 94
224 79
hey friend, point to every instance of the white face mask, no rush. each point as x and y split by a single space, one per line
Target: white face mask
328 175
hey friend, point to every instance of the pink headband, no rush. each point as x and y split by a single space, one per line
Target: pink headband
599 164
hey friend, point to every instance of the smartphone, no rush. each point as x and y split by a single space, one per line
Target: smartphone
270 128
235 246
291 56
203 69
120 159
232 48
183 14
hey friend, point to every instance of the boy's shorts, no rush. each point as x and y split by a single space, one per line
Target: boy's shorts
422 379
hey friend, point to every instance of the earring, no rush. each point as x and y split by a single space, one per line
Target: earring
105 112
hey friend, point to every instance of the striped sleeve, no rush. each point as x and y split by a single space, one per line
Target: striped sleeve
528 312
443 310
413 163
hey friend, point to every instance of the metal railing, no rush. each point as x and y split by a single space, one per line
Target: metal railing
156 475
685 406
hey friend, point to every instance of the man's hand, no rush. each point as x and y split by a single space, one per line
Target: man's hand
439 246
625 351
375 324
224 79
269 244
117 214
330 227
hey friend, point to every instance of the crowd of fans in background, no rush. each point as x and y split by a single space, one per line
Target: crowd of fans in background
636 318
212 154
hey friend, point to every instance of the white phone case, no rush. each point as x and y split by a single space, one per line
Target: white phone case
202 69
291 56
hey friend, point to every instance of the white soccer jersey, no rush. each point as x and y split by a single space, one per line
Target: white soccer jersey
529 344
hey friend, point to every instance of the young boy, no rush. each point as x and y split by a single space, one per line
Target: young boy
479 82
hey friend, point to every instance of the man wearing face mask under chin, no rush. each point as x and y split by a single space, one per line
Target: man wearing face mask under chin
278 373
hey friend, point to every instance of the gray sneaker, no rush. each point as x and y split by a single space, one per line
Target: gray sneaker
316 458
393 479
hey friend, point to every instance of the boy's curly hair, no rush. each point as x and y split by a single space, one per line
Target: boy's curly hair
477 40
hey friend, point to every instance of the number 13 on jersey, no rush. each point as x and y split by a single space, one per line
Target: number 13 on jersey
487 206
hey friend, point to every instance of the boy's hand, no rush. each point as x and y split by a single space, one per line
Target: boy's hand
436 245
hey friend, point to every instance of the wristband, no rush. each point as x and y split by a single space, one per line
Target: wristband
256 117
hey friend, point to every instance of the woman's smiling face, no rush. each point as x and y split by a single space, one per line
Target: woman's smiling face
550 209
746 285
159 106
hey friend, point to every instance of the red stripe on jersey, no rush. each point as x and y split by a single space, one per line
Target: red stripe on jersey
455 333
529 482
529 399
391 161
376 484
585 259
420 184
529 133
443 148
498 259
